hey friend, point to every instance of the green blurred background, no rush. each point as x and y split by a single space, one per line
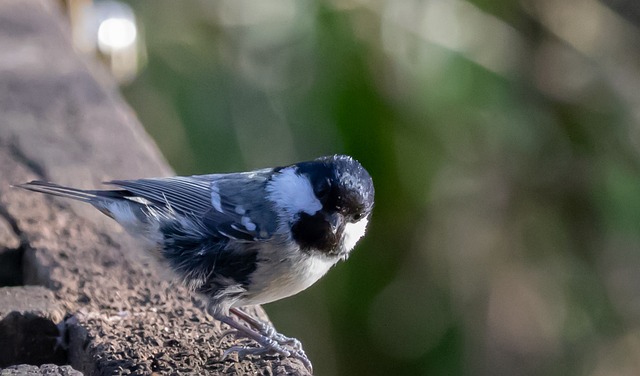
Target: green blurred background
503 138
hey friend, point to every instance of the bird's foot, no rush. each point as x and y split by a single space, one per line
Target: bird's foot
269 331
268 339
269 346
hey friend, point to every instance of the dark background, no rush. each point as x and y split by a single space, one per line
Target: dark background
503 138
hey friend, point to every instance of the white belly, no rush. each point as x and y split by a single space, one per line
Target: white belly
276 280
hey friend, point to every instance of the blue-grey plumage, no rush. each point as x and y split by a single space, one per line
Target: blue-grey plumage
244 238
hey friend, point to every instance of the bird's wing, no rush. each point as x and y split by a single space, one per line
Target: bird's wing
185 195
230 205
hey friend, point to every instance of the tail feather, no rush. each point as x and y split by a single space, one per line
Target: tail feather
59 190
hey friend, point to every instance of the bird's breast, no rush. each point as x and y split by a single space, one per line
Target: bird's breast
278 278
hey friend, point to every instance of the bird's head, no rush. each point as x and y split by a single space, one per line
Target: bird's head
328 202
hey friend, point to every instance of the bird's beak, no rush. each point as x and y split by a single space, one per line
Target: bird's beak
336 221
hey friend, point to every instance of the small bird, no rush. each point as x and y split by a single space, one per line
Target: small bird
244 238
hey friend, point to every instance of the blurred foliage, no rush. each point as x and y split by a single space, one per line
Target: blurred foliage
503 138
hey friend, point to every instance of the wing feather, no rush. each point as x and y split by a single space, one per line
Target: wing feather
244 214
183 194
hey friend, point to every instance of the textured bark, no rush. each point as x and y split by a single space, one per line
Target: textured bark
57 123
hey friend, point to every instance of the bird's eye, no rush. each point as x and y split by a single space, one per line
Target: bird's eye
357 217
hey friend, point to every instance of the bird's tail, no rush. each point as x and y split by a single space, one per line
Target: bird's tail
59 190
116 204
104 200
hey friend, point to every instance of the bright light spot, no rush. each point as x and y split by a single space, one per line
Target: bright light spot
116 34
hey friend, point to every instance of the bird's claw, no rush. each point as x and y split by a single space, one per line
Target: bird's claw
270 332
277 343
265 335
231 332
289 341
302 357
244 351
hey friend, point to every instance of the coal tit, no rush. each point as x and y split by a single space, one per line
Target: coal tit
244 238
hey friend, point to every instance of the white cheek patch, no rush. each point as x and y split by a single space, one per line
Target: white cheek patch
353 232
293 192
216 201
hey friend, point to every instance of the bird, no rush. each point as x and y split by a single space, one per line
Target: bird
243 238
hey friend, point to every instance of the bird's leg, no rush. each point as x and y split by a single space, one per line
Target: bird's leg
267 330
268 343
